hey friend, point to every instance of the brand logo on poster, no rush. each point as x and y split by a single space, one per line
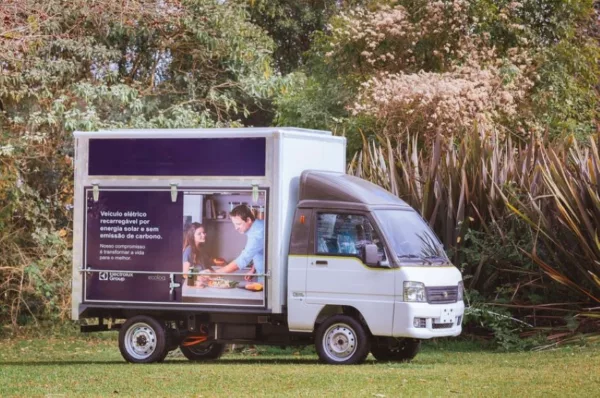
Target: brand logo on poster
114 276
119 276
161 278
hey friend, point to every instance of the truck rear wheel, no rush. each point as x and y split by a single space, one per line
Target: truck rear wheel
401 350
342 340
203 352
142 339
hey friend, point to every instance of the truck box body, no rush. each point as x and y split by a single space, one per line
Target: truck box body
129 240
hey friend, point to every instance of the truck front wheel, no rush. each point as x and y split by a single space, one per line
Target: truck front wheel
342 340
203 352
142 339
401 350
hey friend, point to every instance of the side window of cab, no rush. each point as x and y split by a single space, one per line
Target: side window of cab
345 234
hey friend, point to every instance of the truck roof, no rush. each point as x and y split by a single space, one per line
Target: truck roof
339 188
196 132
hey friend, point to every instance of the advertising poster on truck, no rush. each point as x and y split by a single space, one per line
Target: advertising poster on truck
145 246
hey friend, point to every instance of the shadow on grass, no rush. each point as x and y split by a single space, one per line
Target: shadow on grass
232 361
421 363
60 363
455 345
259 360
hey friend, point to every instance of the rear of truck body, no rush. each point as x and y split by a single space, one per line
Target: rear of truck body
137 191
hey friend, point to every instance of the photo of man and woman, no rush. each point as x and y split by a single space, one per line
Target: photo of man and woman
223 254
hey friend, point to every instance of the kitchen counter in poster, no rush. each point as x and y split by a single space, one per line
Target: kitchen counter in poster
232 296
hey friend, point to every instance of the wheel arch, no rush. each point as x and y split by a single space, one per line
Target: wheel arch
331 310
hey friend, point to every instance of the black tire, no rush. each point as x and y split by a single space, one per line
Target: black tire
172 342
342 340
142 339
203 352
397 350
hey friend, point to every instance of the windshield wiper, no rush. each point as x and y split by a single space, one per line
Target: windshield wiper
436 257
425 260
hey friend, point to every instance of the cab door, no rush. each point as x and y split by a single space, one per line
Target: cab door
337 275
301 317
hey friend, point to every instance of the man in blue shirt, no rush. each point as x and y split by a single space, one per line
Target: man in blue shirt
245 223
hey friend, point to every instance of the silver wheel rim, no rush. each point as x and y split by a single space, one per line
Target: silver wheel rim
140 340
339 342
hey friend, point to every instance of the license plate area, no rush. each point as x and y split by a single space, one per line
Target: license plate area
447 315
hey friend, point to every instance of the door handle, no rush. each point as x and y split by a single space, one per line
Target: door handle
321 262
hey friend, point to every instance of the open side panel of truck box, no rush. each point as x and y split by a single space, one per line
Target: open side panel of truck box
134 240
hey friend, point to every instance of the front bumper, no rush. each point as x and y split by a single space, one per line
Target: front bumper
434 320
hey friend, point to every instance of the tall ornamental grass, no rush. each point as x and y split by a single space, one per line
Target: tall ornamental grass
520 219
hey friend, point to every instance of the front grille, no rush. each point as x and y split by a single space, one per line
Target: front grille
442 294
442 325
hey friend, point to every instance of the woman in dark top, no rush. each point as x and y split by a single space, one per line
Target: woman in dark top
194 250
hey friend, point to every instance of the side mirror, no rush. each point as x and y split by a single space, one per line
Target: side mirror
371 254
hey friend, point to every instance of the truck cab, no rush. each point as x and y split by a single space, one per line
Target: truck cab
358 250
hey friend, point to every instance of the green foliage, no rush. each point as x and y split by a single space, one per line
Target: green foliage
495 323
307 103
176 59
462 184
565 221
565 99
36 255
90 65
542 54
291 24
311 104
493 264
519 220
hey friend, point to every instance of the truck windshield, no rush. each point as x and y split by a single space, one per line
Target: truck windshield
410 237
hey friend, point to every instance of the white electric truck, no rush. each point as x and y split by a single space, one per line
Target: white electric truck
197 238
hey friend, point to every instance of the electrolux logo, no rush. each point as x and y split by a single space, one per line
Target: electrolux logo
114 276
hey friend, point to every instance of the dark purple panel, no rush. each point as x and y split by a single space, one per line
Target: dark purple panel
133 231
178 157
121 286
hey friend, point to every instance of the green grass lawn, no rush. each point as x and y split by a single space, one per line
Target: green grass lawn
92 365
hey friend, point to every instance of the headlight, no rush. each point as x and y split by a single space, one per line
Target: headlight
414 291
461 288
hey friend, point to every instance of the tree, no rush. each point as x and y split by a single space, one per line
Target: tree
88 65
291 24
440 67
